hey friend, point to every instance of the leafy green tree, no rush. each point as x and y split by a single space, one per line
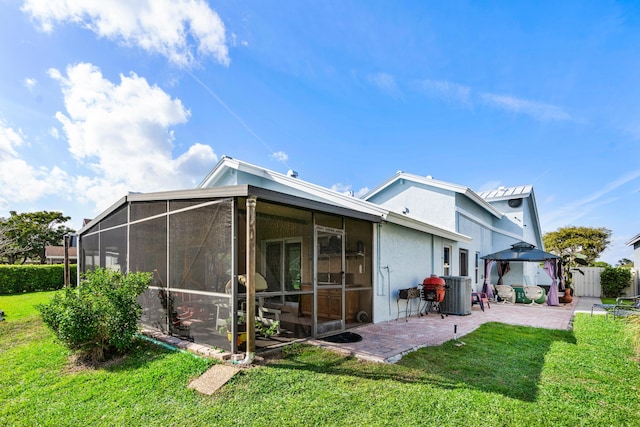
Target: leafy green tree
625 262
29 233
601 264
7 241
579 245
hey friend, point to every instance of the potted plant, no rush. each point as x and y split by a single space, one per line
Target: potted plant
569 264
267 330
241 330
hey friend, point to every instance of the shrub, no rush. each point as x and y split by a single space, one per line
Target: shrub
17 279
100 316
613 280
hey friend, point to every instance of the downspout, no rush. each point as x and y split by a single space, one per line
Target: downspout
251 281
433 254
380 287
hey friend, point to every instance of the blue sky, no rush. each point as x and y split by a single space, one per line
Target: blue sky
100 100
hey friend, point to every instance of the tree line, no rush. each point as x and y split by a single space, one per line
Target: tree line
24 236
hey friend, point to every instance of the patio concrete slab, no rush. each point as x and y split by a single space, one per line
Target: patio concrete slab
389 341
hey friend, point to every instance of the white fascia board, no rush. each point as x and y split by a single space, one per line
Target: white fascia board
382 186
633 240
415 224
320 192
106 212
225 161
438 184
537 218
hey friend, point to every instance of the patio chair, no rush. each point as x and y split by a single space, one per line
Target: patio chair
480 298
506 294
621 309
533 293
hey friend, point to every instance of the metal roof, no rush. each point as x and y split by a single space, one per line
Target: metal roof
503 193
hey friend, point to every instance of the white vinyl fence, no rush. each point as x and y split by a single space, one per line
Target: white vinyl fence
588 285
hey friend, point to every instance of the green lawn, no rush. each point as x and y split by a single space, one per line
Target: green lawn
504 375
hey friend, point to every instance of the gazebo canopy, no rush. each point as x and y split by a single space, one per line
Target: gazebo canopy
521 251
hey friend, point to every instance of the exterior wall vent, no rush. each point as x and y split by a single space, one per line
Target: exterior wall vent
514 203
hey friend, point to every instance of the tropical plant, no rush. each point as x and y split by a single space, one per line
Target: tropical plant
100 316
268 330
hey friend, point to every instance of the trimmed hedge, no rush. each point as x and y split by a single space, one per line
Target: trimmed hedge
613 280
17 279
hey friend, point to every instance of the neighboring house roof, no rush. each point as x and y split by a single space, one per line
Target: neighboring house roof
57 252
635 239
428 181
330 196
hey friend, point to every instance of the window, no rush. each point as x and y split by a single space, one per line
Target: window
477 265
282 264
447 261
464 262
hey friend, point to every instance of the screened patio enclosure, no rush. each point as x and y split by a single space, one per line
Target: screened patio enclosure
313 263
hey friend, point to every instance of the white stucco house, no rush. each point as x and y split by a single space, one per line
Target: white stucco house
635 243
330 261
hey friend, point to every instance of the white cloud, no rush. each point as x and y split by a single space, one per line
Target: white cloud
180 31
386 83
537 110
574 210
346 189
489 185
30 83
122 133
464 95
451 92
280 156
53 131
20 181
361 192
9 140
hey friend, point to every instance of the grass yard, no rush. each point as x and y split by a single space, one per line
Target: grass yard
504 375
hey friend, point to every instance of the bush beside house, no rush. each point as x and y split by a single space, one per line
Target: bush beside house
100 317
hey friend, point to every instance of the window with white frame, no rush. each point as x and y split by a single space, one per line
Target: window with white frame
446 256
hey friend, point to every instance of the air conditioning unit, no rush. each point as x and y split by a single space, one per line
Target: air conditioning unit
457 297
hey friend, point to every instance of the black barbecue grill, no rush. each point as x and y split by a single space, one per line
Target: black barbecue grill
409 295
